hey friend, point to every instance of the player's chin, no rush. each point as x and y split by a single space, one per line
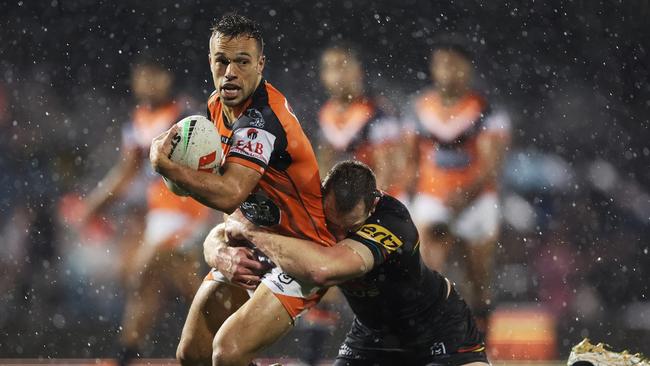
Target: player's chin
232 101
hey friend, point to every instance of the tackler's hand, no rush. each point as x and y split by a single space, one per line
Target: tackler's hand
239 227
237 263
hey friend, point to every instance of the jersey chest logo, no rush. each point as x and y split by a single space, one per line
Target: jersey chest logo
380 235
260 210
256 118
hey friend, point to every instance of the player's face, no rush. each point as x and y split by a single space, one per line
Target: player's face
450 70
150 85
236 65
340 224
341 74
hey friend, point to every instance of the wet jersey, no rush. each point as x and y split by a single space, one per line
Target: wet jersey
268 138
448 141
397 304
147 123
354 130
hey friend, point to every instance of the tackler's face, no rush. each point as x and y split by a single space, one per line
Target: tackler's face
340 224
236 64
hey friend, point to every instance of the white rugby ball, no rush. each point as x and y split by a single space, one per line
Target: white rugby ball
197 146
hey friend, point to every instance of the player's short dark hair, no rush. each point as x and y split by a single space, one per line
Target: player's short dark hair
346 47
351 181
153 60
233 25
455 43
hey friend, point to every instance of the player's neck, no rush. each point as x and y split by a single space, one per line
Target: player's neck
450 96
155 103
347 99
232 113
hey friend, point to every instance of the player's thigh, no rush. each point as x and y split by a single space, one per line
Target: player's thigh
213 303
257 324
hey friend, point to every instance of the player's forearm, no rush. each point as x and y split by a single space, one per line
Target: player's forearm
115 182
492 149
302 259
212 190
466 194
491 159
295 256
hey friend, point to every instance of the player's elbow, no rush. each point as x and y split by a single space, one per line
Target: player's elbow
229 207
231 198
323 277
225 203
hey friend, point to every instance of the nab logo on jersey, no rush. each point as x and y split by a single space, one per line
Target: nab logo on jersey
249 147
251 134
381 235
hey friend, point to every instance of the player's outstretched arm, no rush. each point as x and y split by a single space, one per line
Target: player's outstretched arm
222 192
305 260
113 184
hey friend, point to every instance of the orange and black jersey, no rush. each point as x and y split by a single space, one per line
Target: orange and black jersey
354 130
448 141
267 137
400 303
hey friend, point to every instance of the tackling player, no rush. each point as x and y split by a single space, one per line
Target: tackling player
162 259
270 175
405 313
461 142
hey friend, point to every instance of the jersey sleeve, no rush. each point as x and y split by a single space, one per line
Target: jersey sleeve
386 233
498 121
255 137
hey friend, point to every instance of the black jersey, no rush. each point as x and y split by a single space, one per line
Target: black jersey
400 304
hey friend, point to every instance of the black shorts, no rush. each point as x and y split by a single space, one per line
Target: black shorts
451 338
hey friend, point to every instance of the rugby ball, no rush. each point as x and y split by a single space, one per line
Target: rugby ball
197 146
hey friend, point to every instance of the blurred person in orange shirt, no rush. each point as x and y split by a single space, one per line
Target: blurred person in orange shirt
461 142
353 124
164 256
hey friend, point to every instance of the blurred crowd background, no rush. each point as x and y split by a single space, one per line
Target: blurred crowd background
573 76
